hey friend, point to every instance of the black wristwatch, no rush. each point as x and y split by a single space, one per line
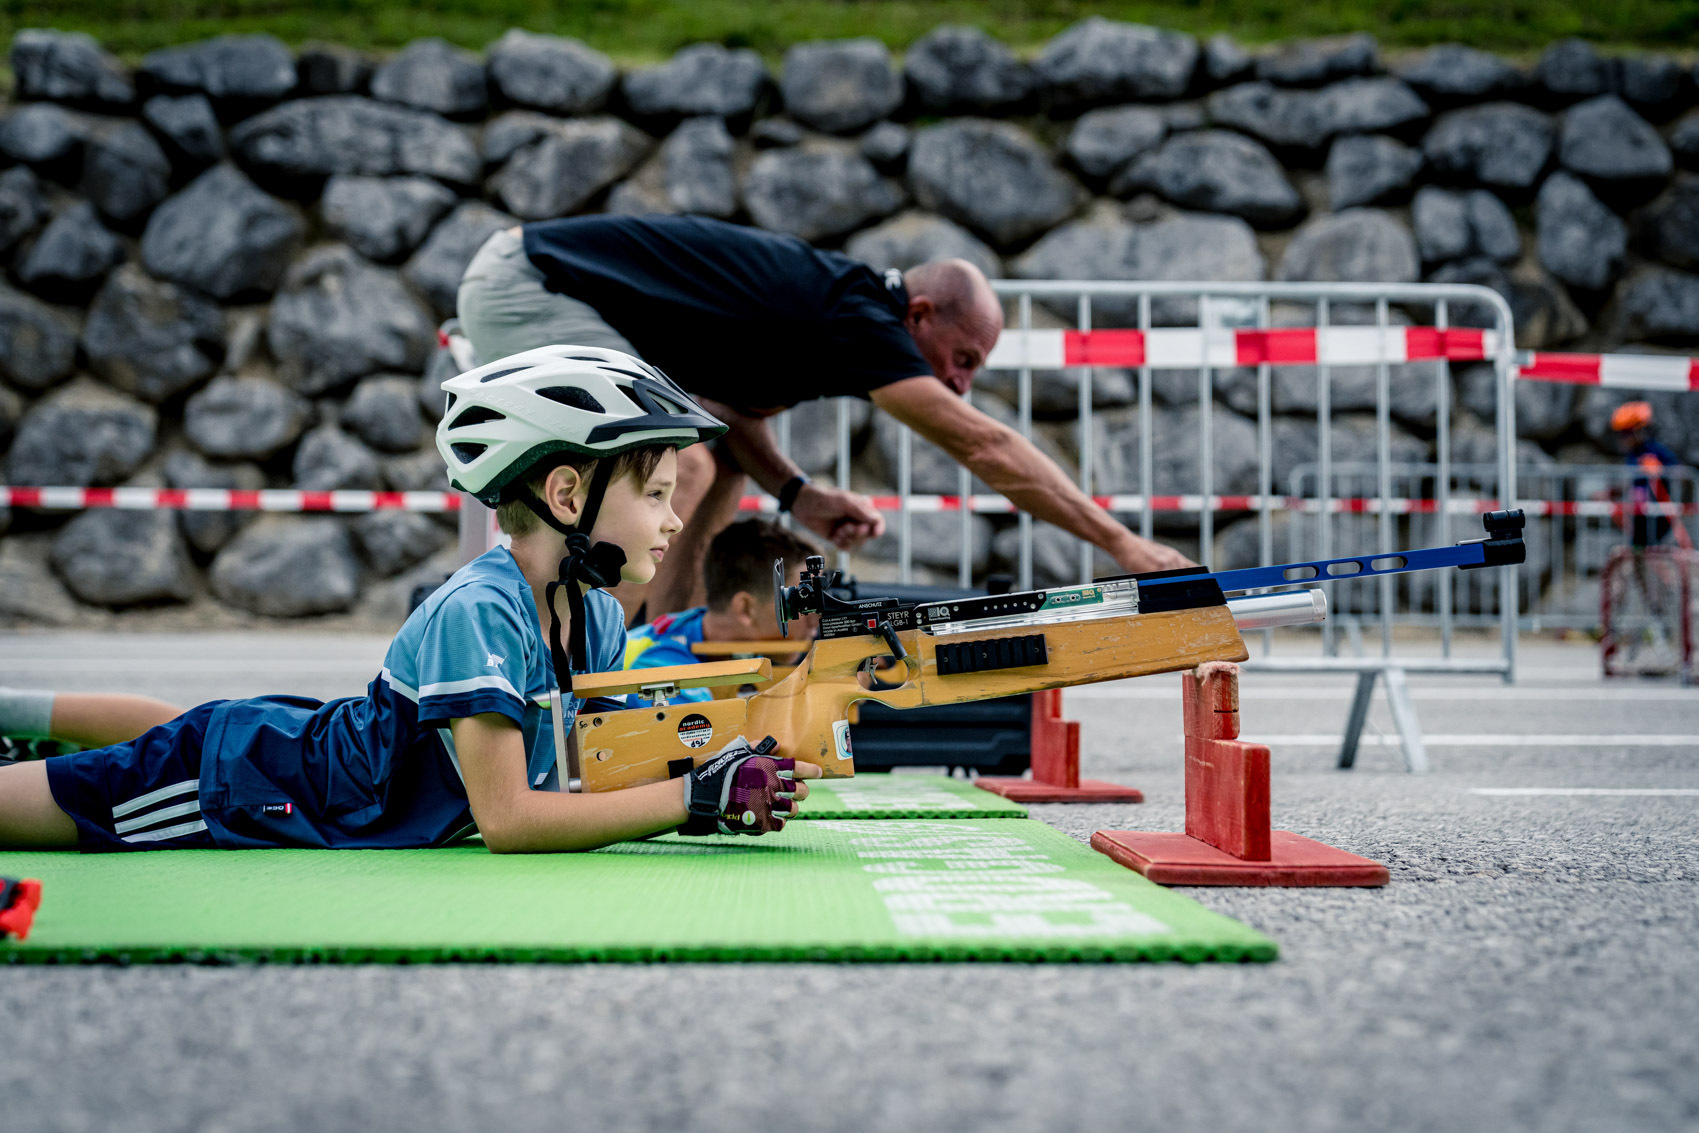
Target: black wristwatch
793 488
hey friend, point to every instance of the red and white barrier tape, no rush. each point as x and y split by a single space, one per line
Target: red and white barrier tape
1623 371
289 500
1186 348
1189 347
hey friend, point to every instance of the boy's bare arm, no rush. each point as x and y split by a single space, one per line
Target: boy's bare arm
515 819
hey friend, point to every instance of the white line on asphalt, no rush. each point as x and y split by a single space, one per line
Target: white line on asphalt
1485 739
1681 791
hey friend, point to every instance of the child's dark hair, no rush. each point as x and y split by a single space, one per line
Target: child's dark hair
516 519
741 558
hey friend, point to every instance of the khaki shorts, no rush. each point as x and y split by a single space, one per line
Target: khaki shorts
504 307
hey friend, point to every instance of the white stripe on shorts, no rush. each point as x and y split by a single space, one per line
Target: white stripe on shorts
193 806
187 786
162 834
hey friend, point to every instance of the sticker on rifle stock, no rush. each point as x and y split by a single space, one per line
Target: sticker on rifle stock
841 739
695 730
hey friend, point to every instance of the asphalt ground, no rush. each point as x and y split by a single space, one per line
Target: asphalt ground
1534 963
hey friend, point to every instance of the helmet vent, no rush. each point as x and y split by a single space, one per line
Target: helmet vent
449 404
467 453
501 374
476 415
573 396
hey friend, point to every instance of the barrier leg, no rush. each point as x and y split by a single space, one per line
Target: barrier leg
1358 717
1404 719
1056 763
1228 840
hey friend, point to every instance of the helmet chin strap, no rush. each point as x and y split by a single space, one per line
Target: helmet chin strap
594 566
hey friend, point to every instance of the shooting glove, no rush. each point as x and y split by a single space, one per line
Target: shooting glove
742 790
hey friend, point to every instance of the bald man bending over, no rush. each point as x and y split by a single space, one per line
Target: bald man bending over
751 323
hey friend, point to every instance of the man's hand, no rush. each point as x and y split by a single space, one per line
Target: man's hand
848 519
1138 555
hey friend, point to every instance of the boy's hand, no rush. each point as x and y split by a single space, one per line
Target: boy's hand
742 792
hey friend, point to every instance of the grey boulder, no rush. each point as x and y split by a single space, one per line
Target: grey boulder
702 79
1544 410
560 171
1541 310
1184 246
840 86
38 343
696 164
886 146
247 418
339 317
42 133
1452 73
1573 69
331 68
82 436
1498 144
546 72
1460 225
1225 60
70 67
1365 169
1579 240
1312 62
187 126
71 256
435 269
383 218
420 471
1304 120
817 192
1098 61
1174 451
776 133
150 338
329 460
239 73
991 176
288 567
309 139
1216 171
109 557
1658 304
1103 141
22 205
391 540
914 237
1652 84
961 70
1605 141
223 236
1360 245
1669 227
125 173
935 540
384 412
1684 140
207 531
432 74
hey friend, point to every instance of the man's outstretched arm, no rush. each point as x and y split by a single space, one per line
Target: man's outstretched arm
1014 467
846 518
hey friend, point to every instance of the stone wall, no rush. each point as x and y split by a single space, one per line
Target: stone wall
224 267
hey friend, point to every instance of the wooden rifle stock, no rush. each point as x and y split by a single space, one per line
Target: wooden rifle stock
808 711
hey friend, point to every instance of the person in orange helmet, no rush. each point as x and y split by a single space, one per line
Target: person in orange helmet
1632 424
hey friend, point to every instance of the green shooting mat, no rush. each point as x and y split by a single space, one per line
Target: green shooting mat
879 890
904 796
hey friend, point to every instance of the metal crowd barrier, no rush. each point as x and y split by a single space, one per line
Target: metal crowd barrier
1221 308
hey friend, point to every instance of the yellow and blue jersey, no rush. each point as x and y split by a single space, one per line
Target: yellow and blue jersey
667 641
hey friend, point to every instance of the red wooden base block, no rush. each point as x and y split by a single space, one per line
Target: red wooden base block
1038 791
1178 859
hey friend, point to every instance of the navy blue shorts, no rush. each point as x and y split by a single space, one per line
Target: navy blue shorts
140 795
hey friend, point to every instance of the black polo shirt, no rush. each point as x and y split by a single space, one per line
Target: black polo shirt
749 318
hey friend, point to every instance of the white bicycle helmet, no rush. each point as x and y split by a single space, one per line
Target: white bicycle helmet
504 419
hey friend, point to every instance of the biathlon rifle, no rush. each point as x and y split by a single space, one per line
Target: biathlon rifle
951 652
